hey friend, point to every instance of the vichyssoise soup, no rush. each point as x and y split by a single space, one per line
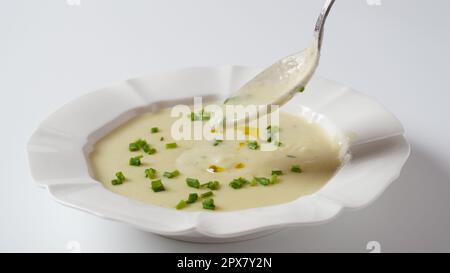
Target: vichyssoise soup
142 161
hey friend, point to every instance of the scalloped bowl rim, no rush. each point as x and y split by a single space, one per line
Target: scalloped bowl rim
377 139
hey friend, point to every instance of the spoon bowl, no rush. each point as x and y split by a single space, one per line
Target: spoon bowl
282 80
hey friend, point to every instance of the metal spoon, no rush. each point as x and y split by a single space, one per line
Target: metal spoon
281 81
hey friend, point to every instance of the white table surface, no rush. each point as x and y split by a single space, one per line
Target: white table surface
398 52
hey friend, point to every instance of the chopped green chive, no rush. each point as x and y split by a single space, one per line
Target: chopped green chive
133 147
205 115
300 89
277 172
238 183
209 204
212 185
279 144
172 145
116 182
161 139
193 116
148 150
136 161
192 198
120 176
193 183
154 130
181 205
291 156
274 179
253 145
157 186
262 180
171 174
202 115
271 131
217 142
141 144
137 145
296 169
150 173
151 151
119 179
206 194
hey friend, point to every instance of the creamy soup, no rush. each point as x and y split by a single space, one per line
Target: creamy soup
278 83
247 176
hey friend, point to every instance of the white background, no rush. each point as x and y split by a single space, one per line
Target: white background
398 53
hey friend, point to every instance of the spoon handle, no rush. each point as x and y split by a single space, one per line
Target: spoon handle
318 30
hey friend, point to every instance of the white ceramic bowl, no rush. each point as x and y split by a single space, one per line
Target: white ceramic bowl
58 153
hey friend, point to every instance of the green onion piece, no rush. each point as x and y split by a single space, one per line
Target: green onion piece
150 173
262 180
120 176
145 147
161 139
238 183
181 205
213 185
205 115
172 145
192 198
136 161
116 182
253 145
279 144
148 150
193 183
171 174
119 180
141 144
296 169
300 89
271 130
157 186
193 116
217 142
277 172
154 130
206 194
137 145
133 147
202 115
291 156
208 204
274 179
